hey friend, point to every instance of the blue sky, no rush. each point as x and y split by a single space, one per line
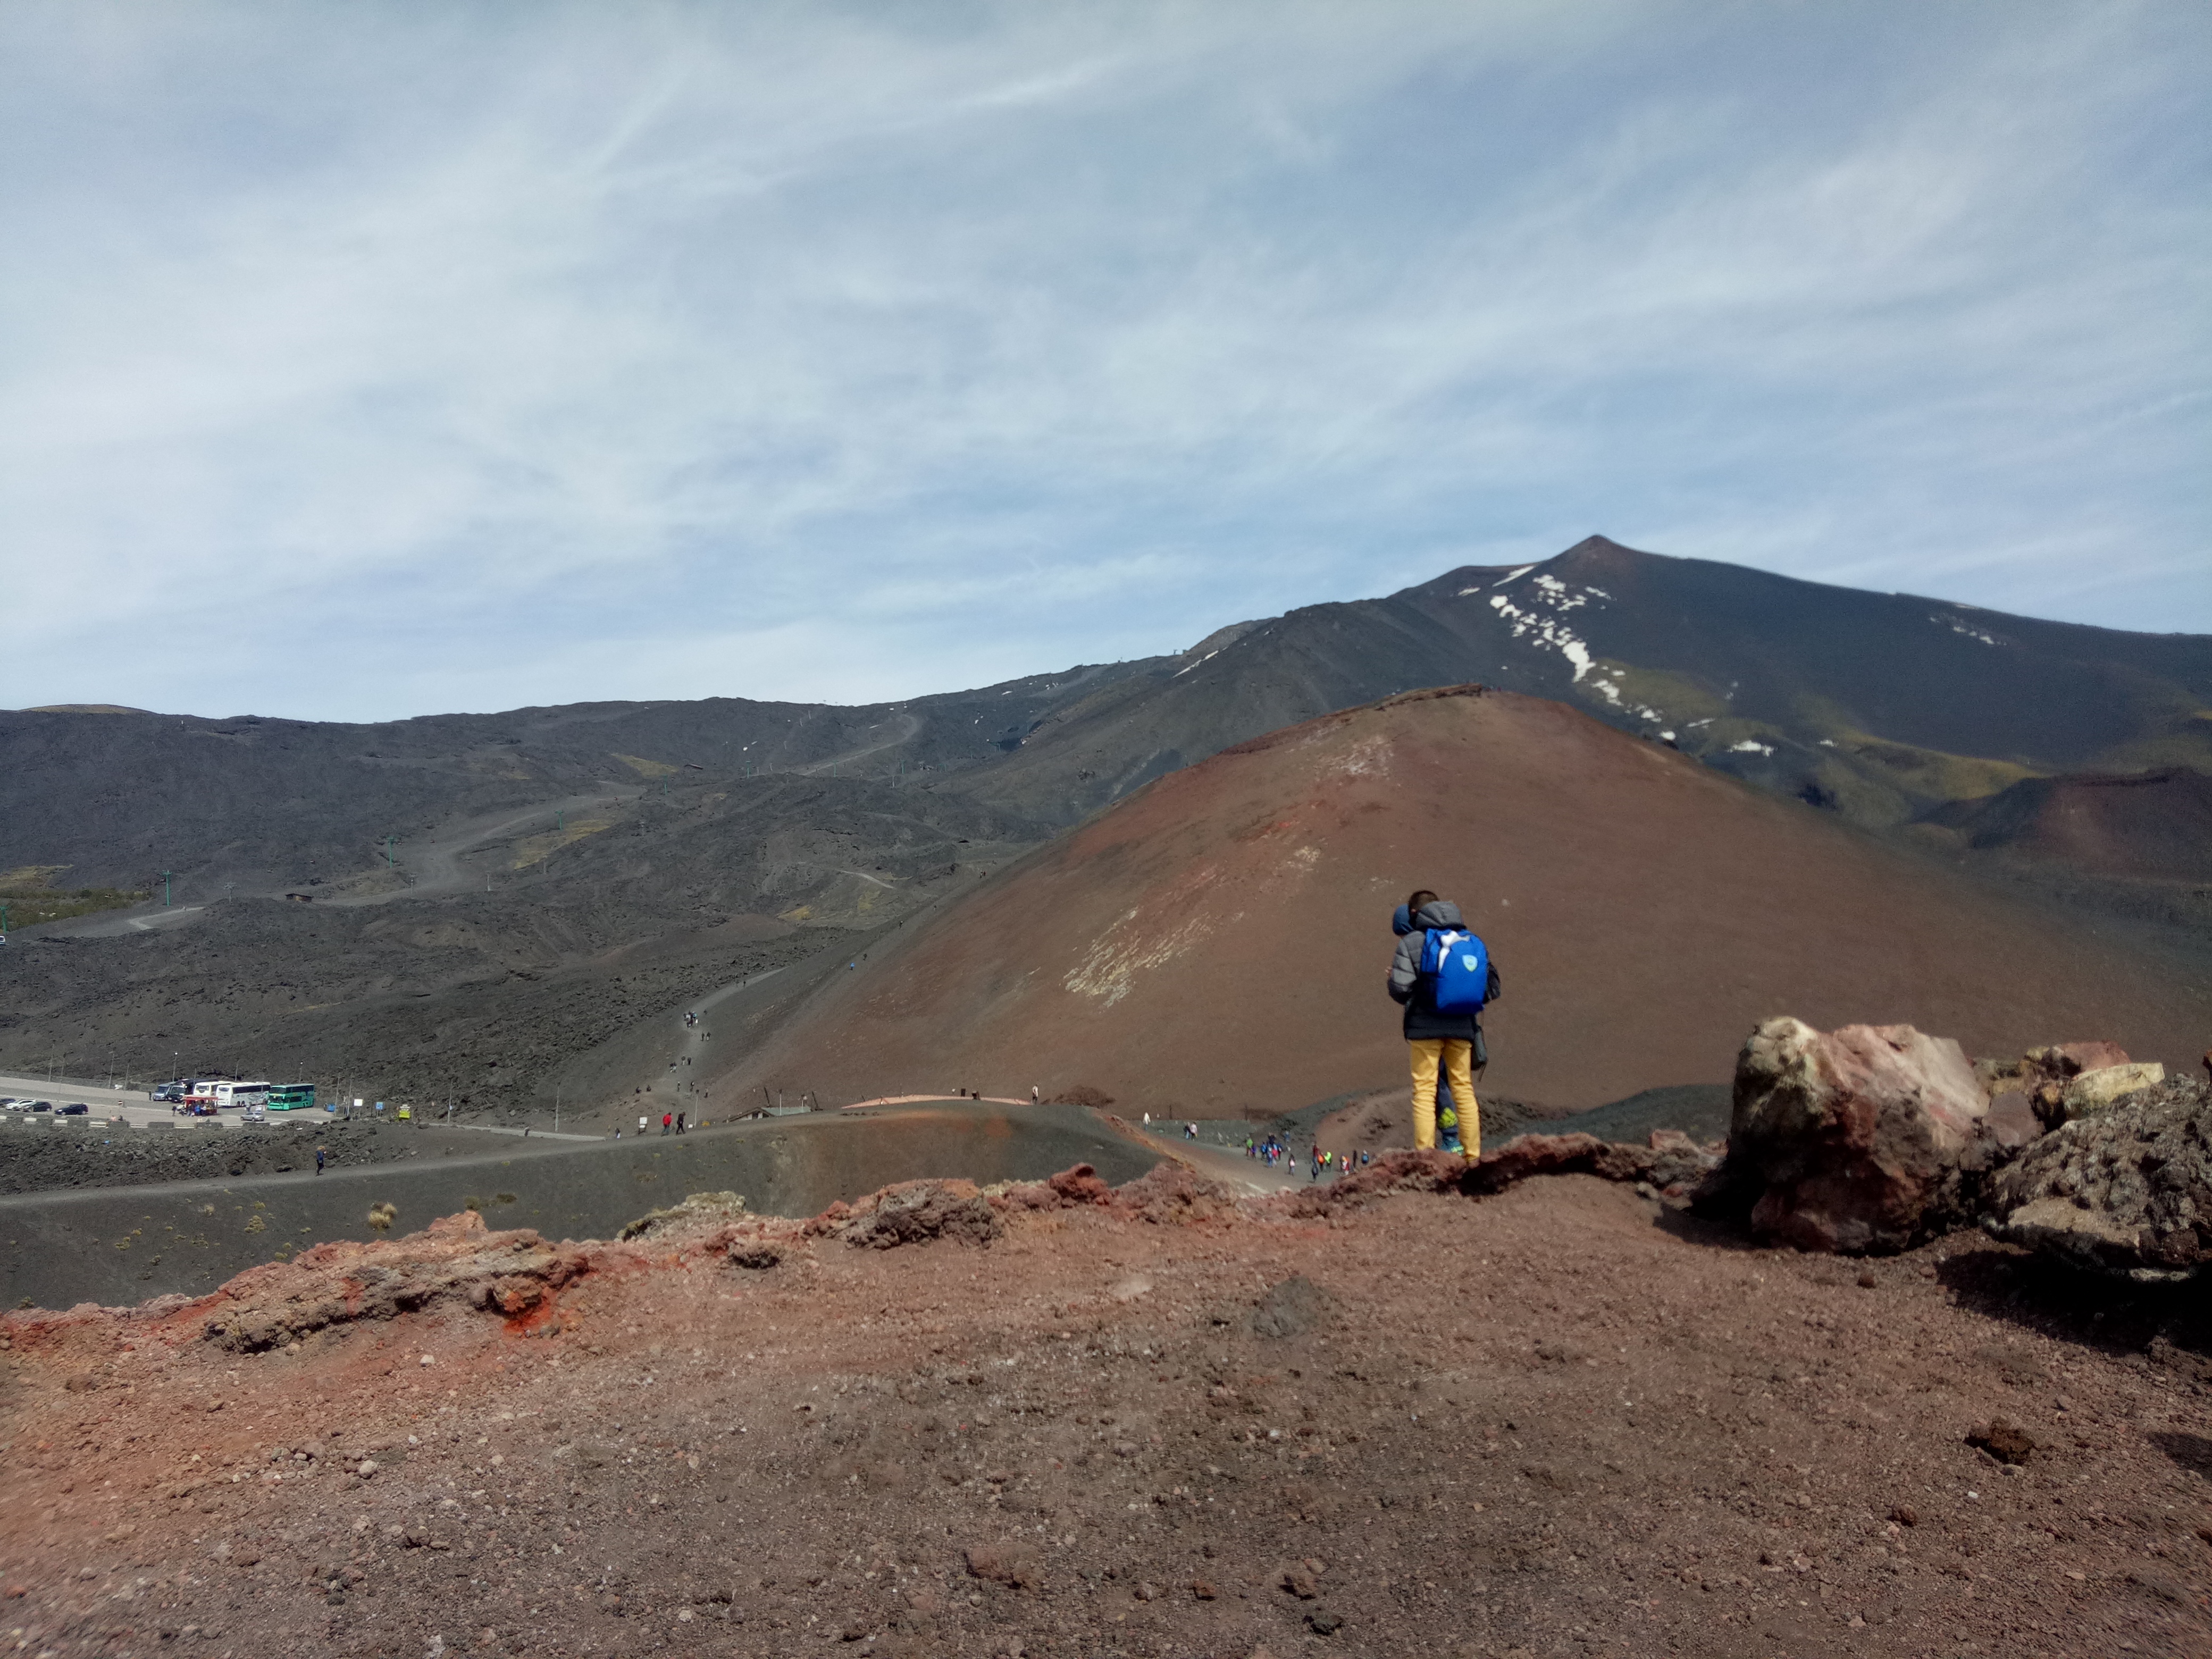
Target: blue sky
373 360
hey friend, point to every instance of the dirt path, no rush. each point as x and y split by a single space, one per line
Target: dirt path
433 865
913 727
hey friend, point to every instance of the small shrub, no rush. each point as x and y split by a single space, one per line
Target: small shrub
381 1216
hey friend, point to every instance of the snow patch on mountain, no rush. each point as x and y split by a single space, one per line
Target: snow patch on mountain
1958 626
1554 595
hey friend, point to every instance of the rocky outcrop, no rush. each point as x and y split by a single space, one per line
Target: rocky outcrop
2100 1090
1671 1163
915 1211
2126 1191
2040 1079
455 1260
1851 1141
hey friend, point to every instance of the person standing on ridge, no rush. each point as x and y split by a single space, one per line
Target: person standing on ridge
1448 1139
1442 976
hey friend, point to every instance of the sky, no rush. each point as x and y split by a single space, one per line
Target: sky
368 361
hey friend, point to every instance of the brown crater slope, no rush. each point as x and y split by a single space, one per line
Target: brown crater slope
1217 943
2155 825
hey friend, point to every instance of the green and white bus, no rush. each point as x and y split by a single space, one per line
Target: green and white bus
291 1096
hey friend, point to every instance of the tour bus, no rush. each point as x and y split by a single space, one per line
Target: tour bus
213 1095
291 1096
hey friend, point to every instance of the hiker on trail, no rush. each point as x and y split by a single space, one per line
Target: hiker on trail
1036 1095
318 1160
679 1123
667 1121
1443 976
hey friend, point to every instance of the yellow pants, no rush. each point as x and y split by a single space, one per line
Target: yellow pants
1457 1057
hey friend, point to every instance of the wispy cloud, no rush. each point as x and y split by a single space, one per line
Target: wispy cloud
497 355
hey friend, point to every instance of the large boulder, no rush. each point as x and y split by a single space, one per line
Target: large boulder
2126 1191
1851 1141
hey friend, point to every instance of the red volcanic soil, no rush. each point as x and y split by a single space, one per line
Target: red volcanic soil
1558 1421
2147 824
1217 945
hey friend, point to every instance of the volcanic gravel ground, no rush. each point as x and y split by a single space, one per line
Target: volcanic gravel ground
38 1160
1556 1422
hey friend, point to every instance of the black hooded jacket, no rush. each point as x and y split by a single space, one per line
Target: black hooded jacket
1407 987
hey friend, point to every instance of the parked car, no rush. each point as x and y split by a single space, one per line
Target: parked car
167 1091
75 1109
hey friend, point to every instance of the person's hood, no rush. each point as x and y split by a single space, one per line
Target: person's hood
1437 913
1401 922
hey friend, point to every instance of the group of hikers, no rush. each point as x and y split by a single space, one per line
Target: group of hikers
1271 1151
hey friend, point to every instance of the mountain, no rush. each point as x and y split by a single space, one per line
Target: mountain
1216 944
446 857
1876 706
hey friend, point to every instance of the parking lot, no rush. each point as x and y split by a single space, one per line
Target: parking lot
111 1105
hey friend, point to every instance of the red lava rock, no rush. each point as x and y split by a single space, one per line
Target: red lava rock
1299 1582
2005 1441
1017 1566
1905 1516
1848 1136
1080 1185
1171 1192
1200 1589
2013 1121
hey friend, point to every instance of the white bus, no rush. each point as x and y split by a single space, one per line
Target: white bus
220 1095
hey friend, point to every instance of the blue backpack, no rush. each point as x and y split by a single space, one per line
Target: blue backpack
1456 964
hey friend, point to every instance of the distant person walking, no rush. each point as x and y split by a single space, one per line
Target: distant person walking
318 1160
679 1122
1442 976
667 1121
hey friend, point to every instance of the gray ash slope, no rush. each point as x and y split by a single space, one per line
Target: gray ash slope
494 1000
